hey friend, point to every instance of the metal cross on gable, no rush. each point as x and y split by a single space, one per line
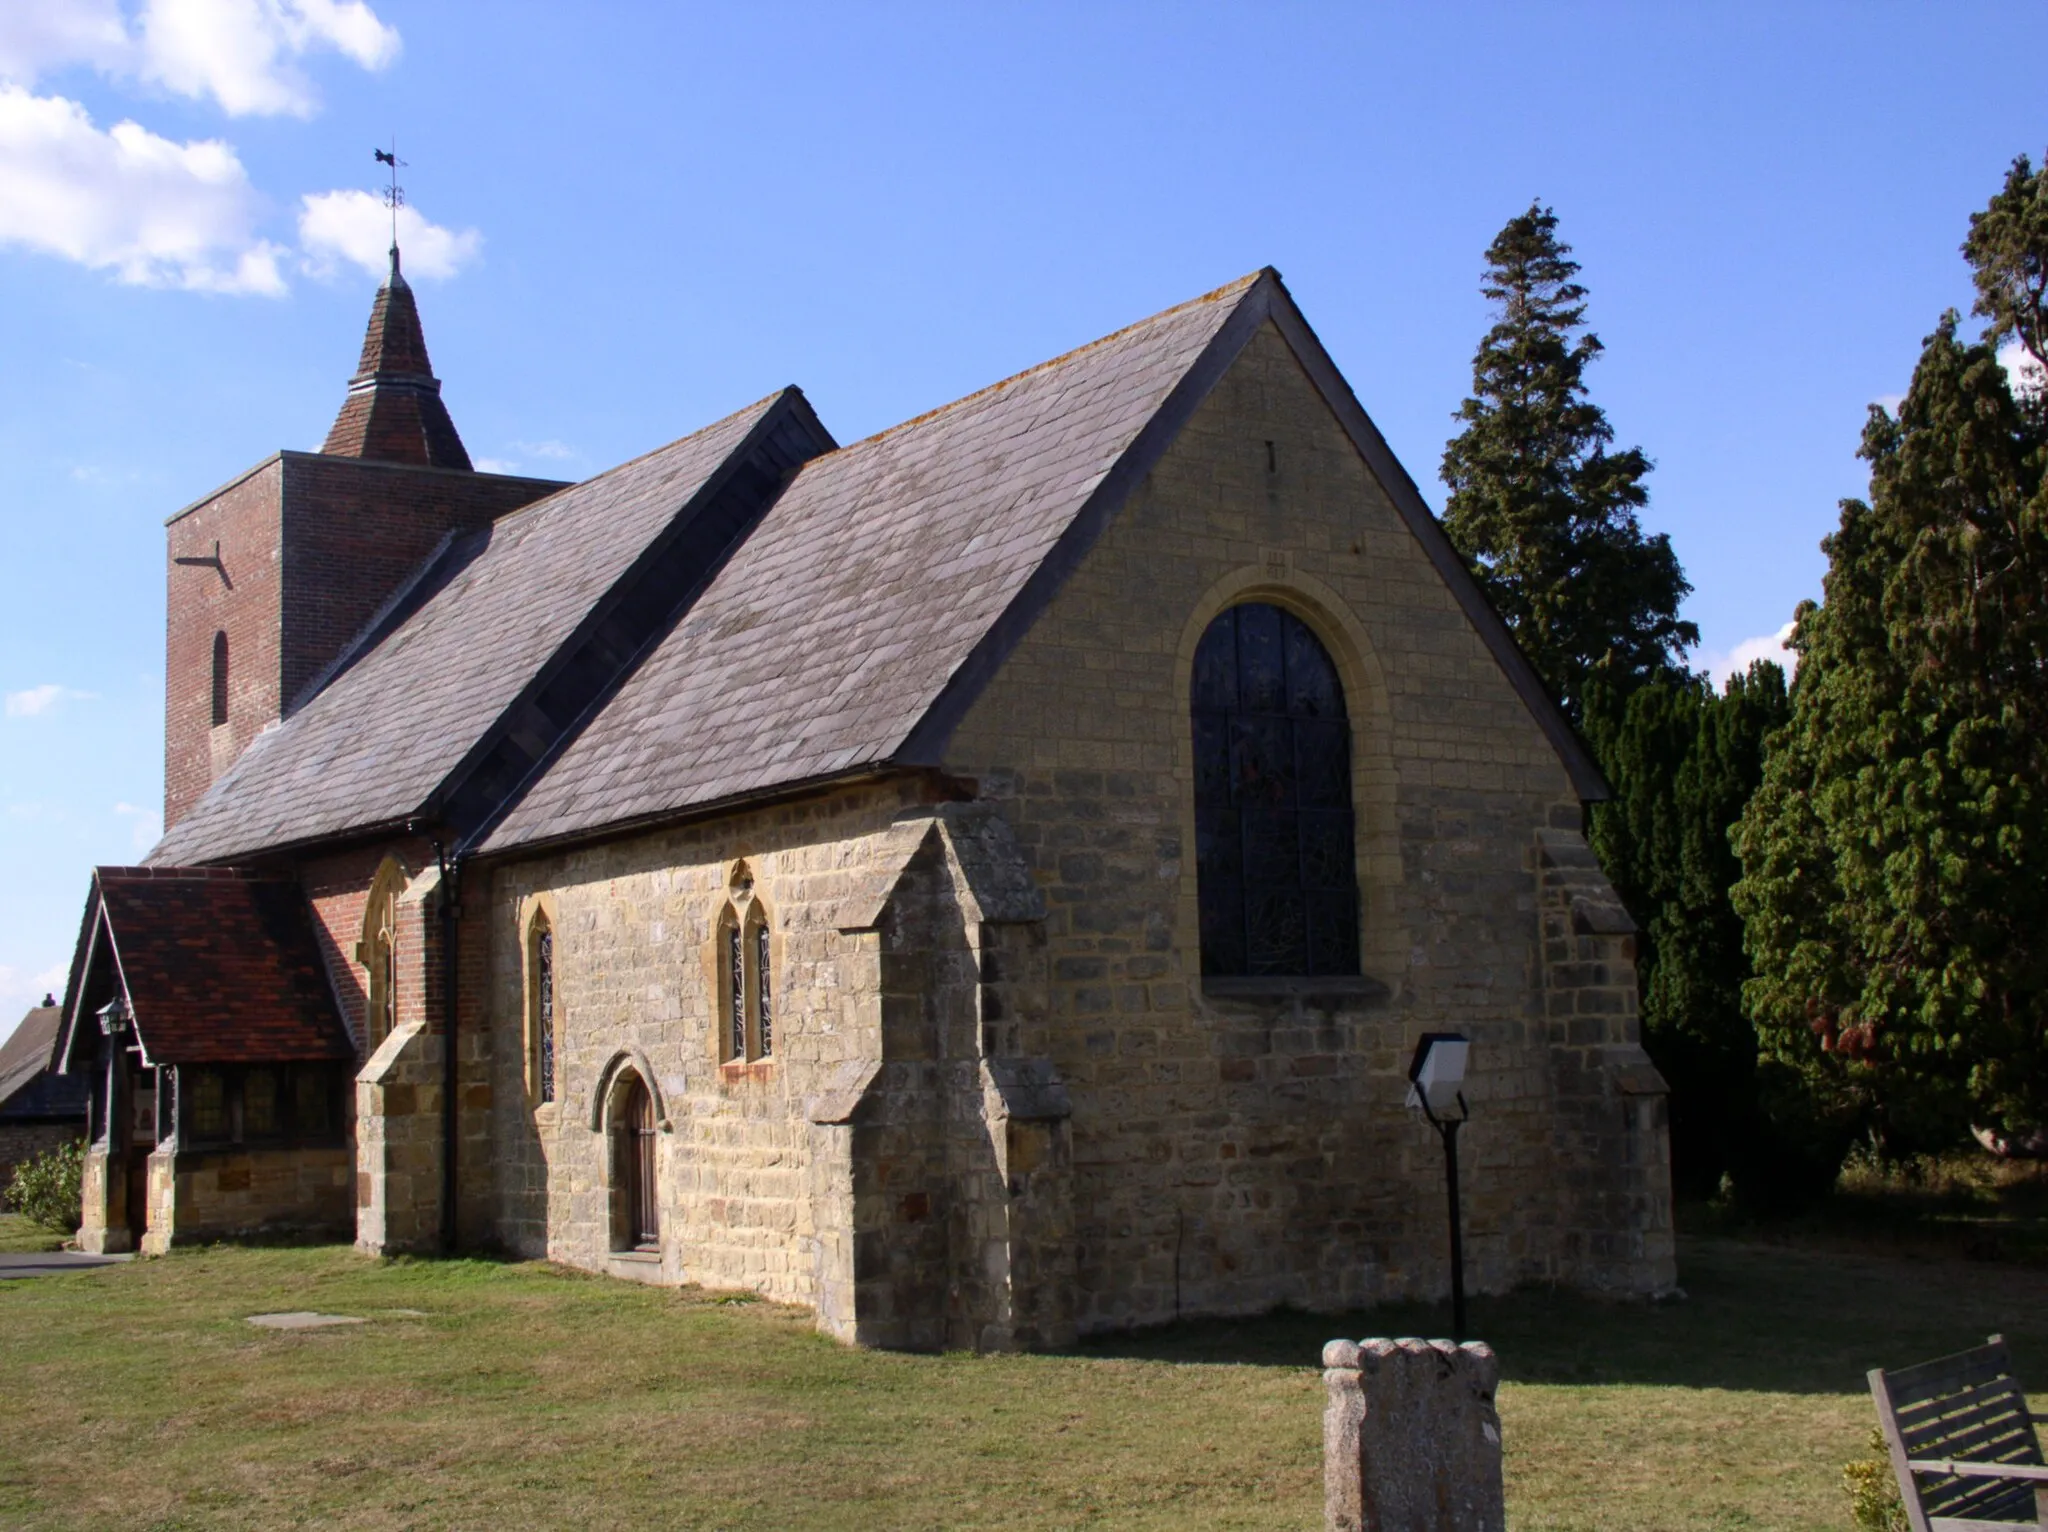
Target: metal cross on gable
394 194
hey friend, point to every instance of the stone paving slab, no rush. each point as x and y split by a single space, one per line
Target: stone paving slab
42 1263
303 1319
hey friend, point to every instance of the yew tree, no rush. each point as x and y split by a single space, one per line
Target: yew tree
1541 505
1895 859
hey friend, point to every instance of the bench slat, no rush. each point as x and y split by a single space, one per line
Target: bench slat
1990 1439
1909 1385
1986 1498
1953 1427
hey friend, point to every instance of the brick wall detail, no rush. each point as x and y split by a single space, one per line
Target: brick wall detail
309 548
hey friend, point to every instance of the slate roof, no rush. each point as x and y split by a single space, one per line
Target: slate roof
828 637
219 966
844 628
373 746
25 1059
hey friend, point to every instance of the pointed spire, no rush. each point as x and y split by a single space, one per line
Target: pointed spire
394 413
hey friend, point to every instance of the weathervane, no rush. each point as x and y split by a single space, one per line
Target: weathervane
394 194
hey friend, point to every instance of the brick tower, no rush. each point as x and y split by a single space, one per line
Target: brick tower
271 575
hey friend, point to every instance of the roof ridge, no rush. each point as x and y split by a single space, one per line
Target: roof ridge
760 404
1215 295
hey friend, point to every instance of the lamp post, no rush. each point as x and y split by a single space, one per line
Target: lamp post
1436 1076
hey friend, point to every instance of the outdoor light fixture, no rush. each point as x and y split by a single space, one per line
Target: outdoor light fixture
1436 1079
114 1017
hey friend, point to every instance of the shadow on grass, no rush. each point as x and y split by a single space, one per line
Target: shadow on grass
1755 1317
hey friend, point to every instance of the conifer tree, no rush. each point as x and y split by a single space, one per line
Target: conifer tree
1541 508
1683 761
1895 860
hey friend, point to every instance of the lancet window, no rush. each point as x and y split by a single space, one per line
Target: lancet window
378 952
220 679
540 1008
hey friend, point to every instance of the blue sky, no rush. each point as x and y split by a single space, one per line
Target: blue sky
631 219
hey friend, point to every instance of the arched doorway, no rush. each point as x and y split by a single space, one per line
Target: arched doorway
635 1223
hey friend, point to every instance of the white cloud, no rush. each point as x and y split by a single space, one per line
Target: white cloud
547 449
496 465
38 37
146 828
1769 646
1890 402
355 226
153 212
242 53
40 699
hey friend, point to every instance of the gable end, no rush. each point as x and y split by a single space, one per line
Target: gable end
1266 299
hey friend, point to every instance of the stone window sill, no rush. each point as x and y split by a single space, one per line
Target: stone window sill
1328 992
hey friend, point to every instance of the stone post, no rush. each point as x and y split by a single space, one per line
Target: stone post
1411 1442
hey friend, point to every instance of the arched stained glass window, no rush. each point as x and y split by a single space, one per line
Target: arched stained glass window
1276 868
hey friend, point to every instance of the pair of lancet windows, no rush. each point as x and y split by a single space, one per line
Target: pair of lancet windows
746 982
1276 858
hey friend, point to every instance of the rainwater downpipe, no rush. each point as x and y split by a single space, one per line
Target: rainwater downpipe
451 913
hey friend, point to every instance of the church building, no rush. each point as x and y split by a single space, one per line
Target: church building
984 882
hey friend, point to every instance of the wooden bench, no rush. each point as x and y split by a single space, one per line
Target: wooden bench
1963 1443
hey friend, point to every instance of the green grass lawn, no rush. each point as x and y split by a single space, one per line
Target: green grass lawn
20 1237
485 1395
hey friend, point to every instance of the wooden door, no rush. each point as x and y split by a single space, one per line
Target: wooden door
637 1224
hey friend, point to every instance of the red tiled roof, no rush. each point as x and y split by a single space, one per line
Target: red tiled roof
220 966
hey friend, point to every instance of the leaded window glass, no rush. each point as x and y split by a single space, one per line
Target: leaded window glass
544 1011
206 1103
313 1097
1274 850
260 1118
764 1003
736 980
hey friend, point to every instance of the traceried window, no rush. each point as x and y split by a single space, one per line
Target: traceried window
746 985
1276 865
220 679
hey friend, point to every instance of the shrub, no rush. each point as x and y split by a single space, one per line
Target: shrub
1874 1504
45 1189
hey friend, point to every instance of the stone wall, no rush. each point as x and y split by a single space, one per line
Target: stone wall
897 1163
635 989
208 1194
1235 1151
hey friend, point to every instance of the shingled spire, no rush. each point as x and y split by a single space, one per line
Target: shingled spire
394 413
